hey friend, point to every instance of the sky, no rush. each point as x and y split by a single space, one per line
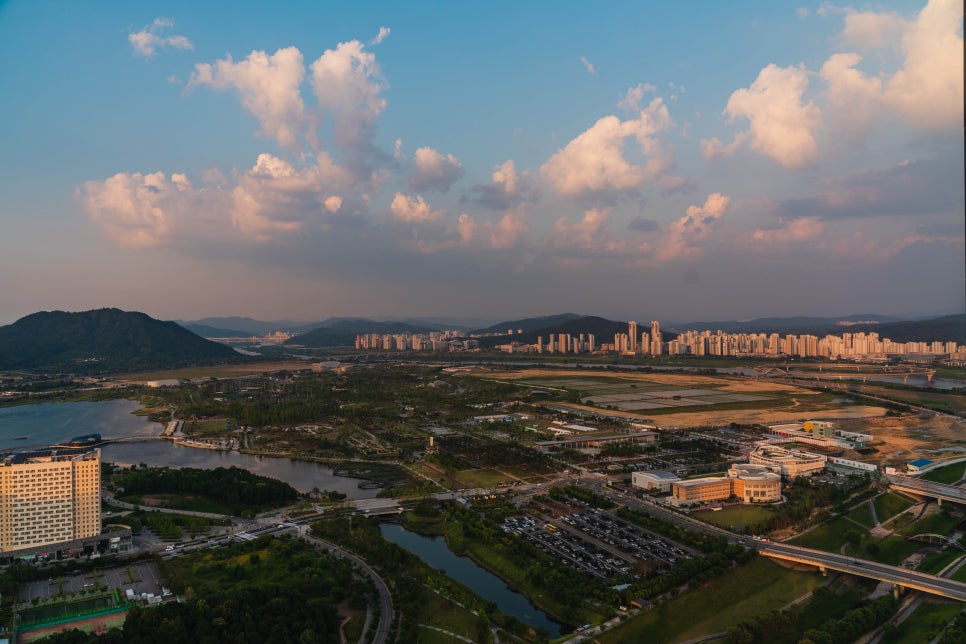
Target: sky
635 160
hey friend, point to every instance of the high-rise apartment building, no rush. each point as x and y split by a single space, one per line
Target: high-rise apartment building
632 335
49 497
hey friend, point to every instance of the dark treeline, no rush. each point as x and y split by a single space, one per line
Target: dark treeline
233 486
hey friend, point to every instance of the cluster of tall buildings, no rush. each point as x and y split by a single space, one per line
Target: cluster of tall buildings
650 342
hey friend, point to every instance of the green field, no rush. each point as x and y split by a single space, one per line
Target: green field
935 563
739 595
734 518
861 514
926 622
947 474
889 505
481 478
828 536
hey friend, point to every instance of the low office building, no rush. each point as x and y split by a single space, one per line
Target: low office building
49 497
702 490
755 483
786 462
650 481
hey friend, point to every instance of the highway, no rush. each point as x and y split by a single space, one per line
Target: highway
928 488
865 568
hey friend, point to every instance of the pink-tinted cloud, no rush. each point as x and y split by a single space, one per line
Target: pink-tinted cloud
147 41
268 87
594 161
684 238
433 171
413 210
803 229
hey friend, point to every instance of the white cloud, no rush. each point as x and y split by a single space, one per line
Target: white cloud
333 203
507 187
147 41
589 66
348 85
467 228
714 148
594 161
268 87
867 30
928 90
413 210
588 233
275 197
432 170
382 35
799 230
631 101
853 98
684 238
780 125
507 232
134 209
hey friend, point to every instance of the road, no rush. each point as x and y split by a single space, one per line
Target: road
385 599
865 568
928 488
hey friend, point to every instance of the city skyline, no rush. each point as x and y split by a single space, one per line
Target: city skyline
495 162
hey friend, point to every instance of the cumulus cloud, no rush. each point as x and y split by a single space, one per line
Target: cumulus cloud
268 87
869 30
631 101
134 209
685 237
147 41
589 66
348 85
506 190
587 234
467 228
333 203
713 148
594 161
432 170
413 210
509 230
928 90
781 125
798 230
853 98
382 35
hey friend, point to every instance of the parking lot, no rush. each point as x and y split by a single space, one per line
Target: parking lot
142 577
597 542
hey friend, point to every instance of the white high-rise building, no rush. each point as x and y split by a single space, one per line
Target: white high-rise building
49 497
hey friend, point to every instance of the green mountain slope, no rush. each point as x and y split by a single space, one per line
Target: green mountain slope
104 340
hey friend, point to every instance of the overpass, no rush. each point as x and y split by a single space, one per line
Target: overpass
919 487
900 577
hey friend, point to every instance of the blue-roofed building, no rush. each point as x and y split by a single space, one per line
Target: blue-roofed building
918 466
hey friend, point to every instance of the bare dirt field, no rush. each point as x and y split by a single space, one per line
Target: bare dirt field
788 402
900 440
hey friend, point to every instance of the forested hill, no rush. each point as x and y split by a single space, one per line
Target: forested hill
104 340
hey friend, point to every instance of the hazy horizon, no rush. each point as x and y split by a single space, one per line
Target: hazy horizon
491 161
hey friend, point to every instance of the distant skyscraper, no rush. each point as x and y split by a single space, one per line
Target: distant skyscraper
632 332
656 348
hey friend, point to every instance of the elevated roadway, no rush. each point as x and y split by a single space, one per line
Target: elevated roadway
901 577
919 487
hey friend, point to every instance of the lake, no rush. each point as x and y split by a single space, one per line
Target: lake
50 423
437 554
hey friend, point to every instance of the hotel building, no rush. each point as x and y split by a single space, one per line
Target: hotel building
49 497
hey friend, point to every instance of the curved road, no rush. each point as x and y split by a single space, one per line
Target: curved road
385 599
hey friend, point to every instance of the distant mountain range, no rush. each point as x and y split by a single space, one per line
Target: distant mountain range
240 327
344 331
104 340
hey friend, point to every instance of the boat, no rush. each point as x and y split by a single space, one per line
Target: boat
21 438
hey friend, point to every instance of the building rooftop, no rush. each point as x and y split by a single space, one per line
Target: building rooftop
922 462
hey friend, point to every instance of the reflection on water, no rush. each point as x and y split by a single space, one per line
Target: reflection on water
51 423
464 570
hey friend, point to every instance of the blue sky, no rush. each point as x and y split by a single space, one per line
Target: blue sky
633 160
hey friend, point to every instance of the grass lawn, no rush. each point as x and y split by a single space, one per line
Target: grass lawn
739 595
829 606
442 613
207 427
734 518
934 563
861 514
926 622
893 550
353 628
481 478
936 523
947 474
889 505
828 536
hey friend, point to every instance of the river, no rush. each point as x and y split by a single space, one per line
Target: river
50 423
434 552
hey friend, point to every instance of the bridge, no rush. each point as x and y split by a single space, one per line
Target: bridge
842 372
919 487
899 577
